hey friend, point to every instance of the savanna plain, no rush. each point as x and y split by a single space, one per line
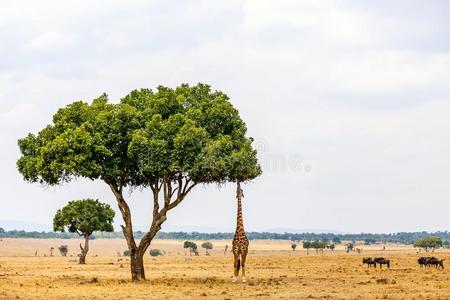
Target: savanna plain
27 271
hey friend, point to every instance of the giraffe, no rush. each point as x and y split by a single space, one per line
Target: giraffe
240 240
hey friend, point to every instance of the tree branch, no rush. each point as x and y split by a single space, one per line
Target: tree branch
182 196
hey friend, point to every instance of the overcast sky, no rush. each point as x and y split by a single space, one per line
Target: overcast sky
348 101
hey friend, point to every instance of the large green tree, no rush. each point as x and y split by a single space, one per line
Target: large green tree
167 141
84 217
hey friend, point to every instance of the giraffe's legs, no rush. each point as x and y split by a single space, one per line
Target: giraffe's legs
243 257
236 265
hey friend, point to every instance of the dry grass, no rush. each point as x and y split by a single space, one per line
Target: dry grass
272 273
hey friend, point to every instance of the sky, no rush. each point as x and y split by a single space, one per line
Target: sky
348 102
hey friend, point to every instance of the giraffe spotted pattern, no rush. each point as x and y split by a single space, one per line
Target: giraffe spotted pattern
240 240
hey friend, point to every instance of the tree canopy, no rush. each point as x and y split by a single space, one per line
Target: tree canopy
84 217
207 245
427 243
186 132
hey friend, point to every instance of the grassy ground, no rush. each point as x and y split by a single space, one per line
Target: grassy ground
273 272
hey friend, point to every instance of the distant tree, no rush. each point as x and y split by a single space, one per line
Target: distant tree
84 217
225 250
52 249
319 245
126 253
63 249
369 241
307 245
336 240
2 230
155 252
191 246
207 246
446 244
429 243
349 247
293 246
331 247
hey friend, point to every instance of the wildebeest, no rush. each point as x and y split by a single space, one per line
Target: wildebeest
369 261
422 261
431 261
382 261
436 262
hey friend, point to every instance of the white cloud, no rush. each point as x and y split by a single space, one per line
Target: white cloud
382 71
51 40
18 116
322 18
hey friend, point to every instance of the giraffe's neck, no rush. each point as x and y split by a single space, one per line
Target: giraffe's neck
239 221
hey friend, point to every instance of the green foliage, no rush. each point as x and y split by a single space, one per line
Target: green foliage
155 252
349 247
2 230
318 244
336 240
63 249
190 245
188 131
126 253
446 244
207 245
84 217
429 243
331 246
307 245
369 241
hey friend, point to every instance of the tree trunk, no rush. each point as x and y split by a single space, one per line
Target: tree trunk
159 217
84 250
137 266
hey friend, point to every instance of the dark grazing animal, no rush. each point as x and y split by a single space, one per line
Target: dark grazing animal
430 261
382 261
423 261
369 261
436 262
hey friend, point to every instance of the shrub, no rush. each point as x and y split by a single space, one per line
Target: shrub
63 249
155 252
126 253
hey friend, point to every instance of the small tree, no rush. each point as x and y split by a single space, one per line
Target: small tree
63 249
331 247
319 245
84 217
446 244
349 247
191 246
155 252
293 246
207 246
429 243
52 249
307 245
